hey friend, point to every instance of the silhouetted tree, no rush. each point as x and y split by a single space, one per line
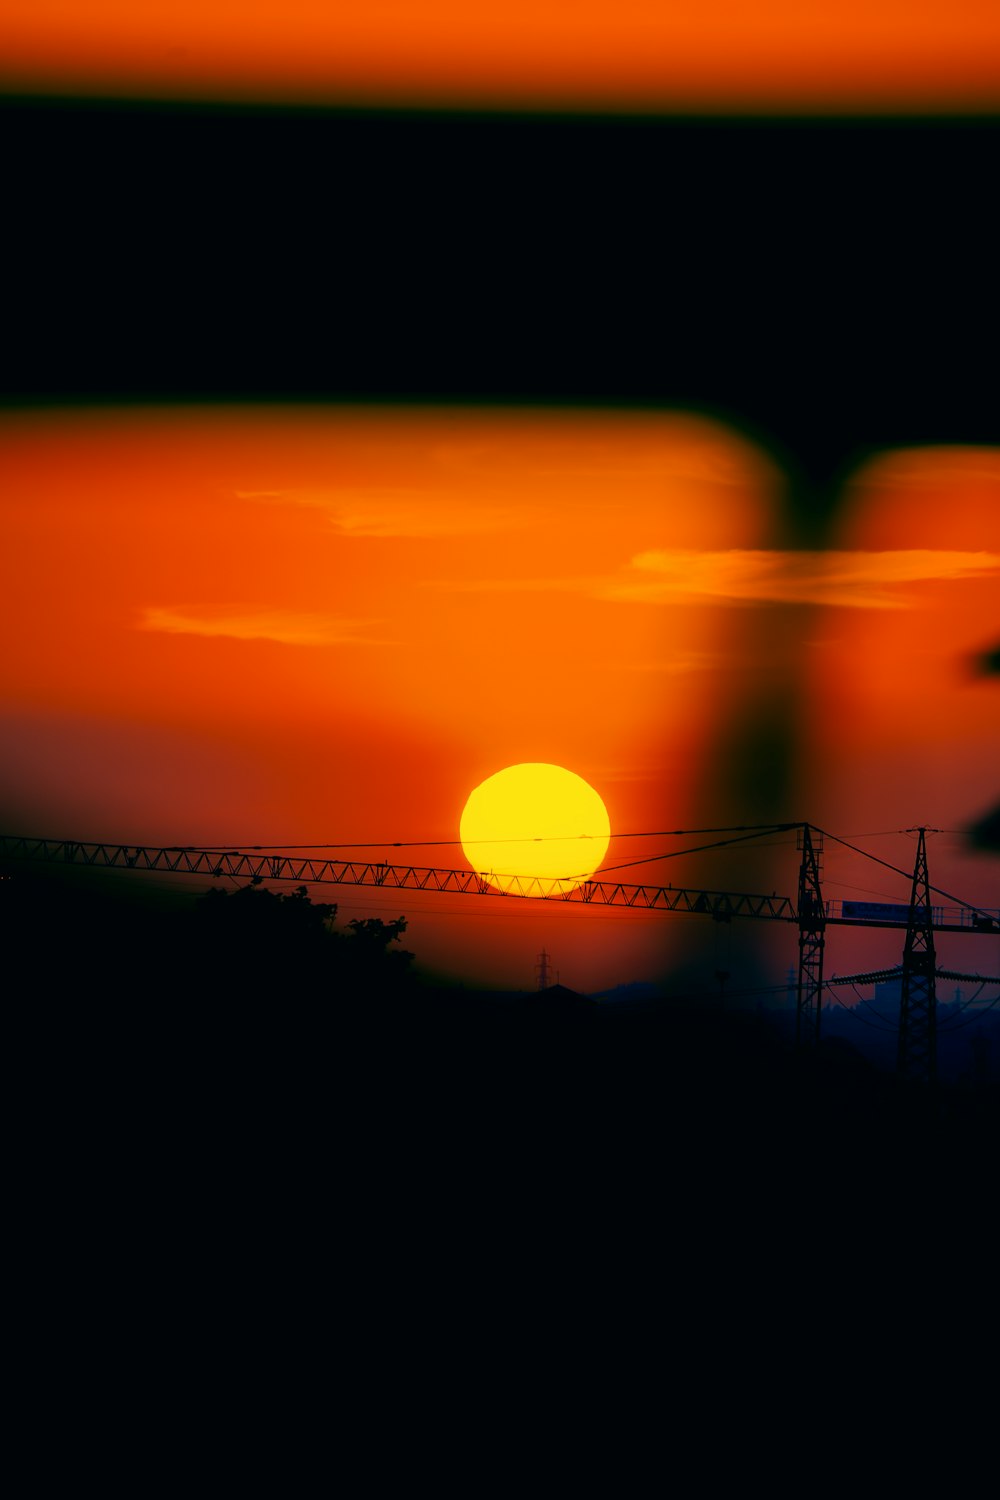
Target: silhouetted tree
373 934
370 958
257 936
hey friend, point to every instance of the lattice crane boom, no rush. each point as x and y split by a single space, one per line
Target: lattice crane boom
258 865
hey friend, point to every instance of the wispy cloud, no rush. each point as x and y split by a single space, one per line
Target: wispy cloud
851 580
393 512
284 626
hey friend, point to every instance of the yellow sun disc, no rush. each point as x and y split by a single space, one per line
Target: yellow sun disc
538 822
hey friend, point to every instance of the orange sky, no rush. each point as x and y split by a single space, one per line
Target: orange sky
633 54
324 625
896 687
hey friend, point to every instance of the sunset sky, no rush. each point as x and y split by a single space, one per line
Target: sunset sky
232 626
634 54
237 623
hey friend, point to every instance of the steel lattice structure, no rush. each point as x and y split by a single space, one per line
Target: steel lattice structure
879 976
812 940
258 865
917 1056
813 915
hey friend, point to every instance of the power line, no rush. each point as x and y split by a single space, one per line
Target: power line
697 849
906 874
959 1025
231 847
887 1030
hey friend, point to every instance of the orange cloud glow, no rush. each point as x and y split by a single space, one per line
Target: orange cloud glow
286 627
850 580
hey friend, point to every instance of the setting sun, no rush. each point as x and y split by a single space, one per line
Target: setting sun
538 822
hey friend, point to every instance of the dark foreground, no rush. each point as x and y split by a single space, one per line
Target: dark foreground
242 1028
437 1228
439 1105
202 1133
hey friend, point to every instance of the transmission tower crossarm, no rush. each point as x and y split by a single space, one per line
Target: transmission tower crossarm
873 976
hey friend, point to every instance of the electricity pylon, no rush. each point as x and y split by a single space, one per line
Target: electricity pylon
916 1057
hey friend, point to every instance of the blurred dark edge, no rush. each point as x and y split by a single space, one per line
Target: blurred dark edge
826 285
829 285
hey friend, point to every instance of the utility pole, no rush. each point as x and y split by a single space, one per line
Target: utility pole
542 970
917 1054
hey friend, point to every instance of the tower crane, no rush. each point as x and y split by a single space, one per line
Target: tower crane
809 910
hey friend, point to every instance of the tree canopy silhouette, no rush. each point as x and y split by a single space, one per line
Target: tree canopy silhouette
260 935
